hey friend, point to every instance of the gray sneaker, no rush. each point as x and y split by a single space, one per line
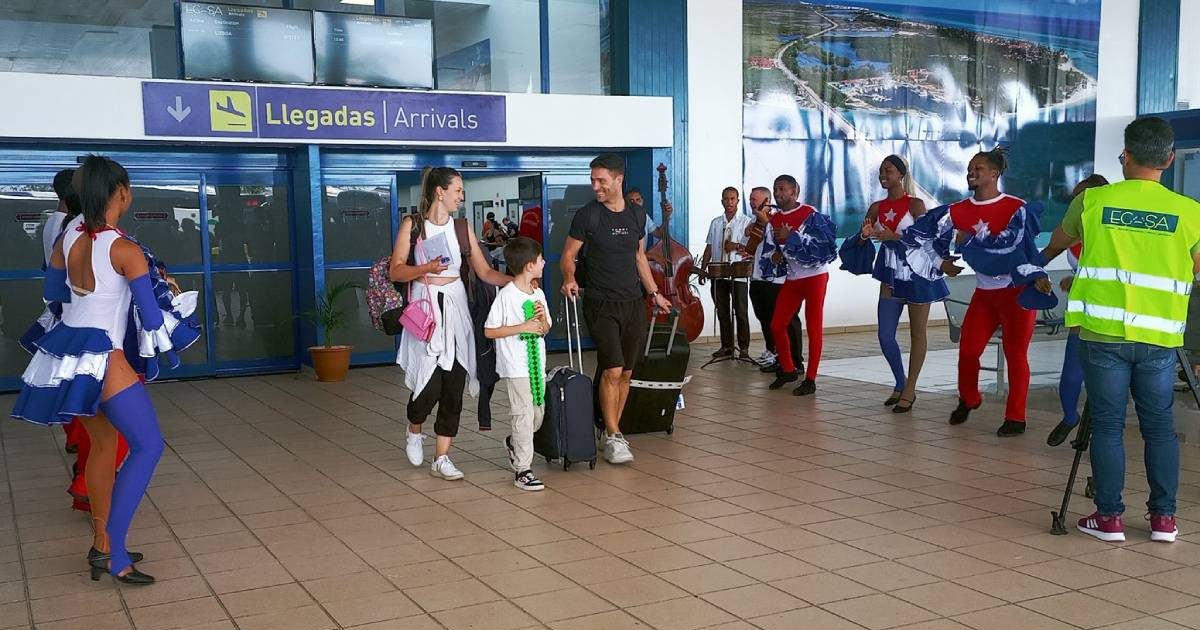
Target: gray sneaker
616 449
444 468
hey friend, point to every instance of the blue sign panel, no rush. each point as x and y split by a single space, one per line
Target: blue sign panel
214 110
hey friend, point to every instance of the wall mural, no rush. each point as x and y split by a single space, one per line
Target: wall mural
832 87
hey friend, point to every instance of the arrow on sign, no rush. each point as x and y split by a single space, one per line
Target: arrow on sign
178 112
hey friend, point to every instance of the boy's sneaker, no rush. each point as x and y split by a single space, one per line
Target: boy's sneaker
766 358
1106 528
512 455
528 481
444 468
1162 528
616 449
413 448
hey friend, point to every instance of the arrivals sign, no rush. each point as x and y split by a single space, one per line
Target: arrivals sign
217 110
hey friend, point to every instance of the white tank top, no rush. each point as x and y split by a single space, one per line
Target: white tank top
453 270
107 306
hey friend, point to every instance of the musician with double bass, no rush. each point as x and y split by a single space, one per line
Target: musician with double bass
614 305
728 267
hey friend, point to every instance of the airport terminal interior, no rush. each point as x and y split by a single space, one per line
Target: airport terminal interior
688 470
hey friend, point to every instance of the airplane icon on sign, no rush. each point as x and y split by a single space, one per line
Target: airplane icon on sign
230 111
229 108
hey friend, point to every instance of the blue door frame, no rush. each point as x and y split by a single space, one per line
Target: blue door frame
169 166
303 170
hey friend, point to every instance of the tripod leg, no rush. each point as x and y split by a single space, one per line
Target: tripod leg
1186 366
1058 525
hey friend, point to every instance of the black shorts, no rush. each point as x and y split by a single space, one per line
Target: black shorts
619 330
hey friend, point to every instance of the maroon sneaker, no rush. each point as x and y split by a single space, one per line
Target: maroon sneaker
1106 528
1162 528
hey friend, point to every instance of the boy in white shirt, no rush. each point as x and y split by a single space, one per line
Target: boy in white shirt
518 320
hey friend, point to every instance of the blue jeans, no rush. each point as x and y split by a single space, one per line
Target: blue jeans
1111 371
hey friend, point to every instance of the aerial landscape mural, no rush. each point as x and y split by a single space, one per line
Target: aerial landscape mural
833 87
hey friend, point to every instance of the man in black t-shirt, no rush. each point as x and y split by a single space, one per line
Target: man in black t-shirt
618 279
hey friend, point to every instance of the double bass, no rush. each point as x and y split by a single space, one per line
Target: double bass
673 277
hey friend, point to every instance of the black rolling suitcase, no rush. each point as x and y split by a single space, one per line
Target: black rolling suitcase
567 431
658 380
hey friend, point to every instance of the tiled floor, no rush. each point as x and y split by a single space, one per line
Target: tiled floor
282 503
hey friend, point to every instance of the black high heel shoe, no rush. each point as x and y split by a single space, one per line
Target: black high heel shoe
892 400
133 576
901 408
98 561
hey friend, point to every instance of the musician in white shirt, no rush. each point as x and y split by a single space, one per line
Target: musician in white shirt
727 244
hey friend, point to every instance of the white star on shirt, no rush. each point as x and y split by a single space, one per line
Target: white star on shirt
981 229
890 216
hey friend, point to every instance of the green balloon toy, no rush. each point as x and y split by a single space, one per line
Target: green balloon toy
537 383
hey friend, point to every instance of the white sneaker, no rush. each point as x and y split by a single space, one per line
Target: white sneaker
766 358
616 449
414 448
444 468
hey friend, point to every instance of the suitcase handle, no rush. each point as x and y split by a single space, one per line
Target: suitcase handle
572 304
674 312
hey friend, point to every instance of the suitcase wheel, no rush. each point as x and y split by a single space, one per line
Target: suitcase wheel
592 465
566 464
670 429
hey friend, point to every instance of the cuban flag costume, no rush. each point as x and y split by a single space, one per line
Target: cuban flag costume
66 376
810 247
77 436
1001 249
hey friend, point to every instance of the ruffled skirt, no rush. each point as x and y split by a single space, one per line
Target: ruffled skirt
892 270
65 376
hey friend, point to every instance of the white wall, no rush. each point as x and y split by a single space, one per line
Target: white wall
714 39
1116 98
1189 52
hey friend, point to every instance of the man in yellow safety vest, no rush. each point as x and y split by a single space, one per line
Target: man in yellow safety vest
1130 301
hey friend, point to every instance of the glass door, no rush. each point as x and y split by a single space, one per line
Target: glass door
359 219
564 195
166 215
26 200
246 237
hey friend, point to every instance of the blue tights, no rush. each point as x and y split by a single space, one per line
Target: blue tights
1071 382
889 311
131 412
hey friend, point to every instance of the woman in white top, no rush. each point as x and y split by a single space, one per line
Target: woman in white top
438 371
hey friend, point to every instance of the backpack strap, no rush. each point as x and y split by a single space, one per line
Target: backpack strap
463 232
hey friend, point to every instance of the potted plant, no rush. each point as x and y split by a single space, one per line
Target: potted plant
330 361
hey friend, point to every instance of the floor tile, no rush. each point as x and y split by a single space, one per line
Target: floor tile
680 614
564 604
706 578
879 611
753 601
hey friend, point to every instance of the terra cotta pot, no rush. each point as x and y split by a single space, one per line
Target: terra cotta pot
331 363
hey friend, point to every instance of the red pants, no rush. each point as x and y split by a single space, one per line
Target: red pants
809 293
78 436
989 309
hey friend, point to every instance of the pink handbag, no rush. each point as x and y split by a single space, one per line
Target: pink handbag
417 318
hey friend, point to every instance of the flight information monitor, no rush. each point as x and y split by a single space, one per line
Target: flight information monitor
377 50
240 43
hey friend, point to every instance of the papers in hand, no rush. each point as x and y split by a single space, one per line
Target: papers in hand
434 248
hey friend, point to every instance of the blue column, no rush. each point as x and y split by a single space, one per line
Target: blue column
1158 56
649 58
310 242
